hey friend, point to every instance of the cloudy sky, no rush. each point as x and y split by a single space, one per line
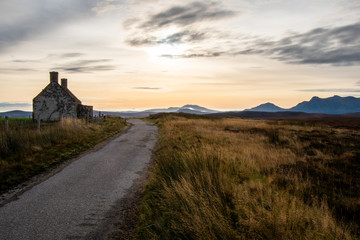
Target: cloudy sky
138 54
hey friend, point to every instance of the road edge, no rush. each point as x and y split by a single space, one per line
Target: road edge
14 193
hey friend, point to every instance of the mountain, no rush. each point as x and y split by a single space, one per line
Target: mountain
331 105
194 109
266 107
16 114
271 115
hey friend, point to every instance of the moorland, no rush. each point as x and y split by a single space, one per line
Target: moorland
26 151
232 178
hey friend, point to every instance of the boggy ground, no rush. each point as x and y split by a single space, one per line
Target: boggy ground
253 179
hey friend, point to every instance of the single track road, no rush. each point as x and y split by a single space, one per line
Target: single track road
75 203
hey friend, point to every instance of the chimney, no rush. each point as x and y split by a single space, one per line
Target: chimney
54 77
64 83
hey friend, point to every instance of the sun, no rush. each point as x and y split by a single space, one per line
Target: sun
165 50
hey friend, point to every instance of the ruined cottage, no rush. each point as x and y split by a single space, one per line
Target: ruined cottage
56 101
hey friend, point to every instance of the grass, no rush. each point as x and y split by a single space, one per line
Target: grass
253 179
25 152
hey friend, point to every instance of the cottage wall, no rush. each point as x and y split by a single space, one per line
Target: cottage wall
84 111
53 103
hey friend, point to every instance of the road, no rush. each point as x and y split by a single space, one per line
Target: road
75 202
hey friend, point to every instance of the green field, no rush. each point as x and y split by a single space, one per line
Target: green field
253 179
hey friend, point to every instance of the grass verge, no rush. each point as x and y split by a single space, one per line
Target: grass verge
252 179
25 152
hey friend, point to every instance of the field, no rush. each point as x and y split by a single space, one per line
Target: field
25 151
230 178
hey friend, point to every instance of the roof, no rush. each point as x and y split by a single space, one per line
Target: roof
65 90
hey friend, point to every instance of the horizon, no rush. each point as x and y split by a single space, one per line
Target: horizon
128 54
29 109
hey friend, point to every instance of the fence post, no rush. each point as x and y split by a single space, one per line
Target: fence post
87 119
38 124
6 123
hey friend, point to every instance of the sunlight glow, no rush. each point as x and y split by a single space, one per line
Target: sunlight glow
160 50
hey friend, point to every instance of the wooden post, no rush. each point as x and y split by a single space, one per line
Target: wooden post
61 121
38 124
87 119
6 123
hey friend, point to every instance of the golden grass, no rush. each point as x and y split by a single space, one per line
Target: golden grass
24 151
249 179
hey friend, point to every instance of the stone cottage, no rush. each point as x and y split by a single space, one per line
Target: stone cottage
56 101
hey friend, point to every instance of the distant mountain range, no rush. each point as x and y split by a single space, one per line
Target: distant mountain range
350 106
193 109
16 114
331 105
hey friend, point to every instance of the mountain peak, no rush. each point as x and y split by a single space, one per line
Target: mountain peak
266 107
331 105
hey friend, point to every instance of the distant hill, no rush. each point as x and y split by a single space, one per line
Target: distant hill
17 114
266 107
316 107
194 109
331 105
269 115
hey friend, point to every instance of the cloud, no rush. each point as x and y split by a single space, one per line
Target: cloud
88 66
7 104
186 15
176 38
335 46
22 19
330 90
71 55
338 46
147 88
148 31
18 70
358 83
26 60
206 54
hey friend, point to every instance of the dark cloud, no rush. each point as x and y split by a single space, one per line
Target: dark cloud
147 88
142 41
39 17
330 90
335 46
187 36
87 66
18 70
195 54
71 55
186 15
7 104
26 60
338 46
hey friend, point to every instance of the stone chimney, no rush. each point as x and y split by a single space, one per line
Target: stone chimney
64 83
54 77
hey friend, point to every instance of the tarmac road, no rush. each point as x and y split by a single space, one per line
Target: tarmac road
73 203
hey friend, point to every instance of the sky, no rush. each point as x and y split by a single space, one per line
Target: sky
140 54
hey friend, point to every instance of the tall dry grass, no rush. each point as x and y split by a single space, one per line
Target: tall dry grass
25 151
240 179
